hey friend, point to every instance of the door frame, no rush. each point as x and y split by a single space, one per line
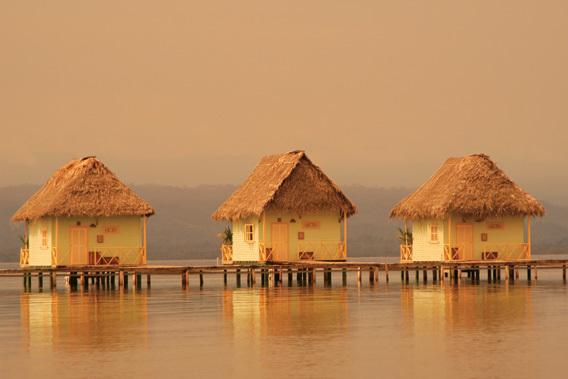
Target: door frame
466 242
278 257
71 255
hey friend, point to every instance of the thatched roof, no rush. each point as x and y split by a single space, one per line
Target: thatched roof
83 188
472 187
286 182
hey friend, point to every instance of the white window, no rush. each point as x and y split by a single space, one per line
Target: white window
249 233
433 233
44 238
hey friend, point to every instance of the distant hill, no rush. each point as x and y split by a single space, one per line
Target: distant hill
182 227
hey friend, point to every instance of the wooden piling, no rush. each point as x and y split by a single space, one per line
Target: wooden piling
344 276
200 278
53 279
40 279
386 273
184 278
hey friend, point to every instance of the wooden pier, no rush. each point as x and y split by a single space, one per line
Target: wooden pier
303 272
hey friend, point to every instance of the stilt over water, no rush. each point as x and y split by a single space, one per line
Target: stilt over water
306 272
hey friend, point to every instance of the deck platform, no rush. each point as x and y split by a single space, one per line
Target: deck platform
305 271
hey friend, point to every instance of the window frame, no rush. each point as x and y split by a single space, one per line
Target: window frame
436 233
249 234
44 236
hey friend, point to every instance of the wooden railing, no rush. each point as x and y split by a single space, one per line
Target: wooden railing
406 253
24 257
316 251
102 256
60 256
227 254
108 256
267 253
456 253
506 251
322 251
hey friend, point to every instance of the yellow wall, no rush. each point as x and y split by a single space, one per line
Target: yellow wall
423 250
330 231
131 234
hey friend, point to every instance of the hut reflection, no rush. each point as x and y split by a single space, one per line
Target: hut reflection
93 319
286 312
465 307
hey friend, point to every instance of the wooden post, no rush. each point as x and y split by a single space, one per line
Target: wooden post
40 279
145 245
225 277
314 275
425 275
344 276
529 234
535 273
386 272
238 277
148 280
345 233
371 275
121 278
53 279
253 276
441 272
529 273
359 275
290 277
377 274
200 278
564 272
56 243
184 278
507 273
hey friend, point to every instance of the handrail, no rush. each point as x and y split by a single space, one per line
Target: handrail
227 253
321 251
406 253
102 256
456 253
506 251
24 257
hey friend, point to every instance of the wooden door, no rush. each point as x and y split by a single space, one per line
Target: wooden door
464 239
279 240
79 245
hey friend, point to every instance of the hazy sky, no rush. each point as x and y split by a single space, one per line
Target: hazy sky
195 92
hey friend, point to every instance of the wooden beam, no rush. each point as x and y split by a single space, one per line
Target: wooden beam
57 243
145 248
529 234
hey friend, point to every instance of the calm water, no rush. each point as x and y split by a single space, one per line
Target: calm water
482 330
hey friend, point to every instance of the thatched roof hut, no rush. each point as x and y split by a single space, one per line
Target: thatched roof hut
472 187
83 188
287 182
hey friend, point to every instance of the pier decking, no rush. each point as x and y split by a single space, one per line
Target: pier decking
304 272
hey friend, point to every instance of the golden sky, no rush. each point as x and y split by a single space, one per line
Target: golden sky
195 92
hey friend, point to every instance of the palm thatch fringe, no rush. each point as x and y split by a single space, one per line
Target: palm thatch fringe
472 187
287 182
83 188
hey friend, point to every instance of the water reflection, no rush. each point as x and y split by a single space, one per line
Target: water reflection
488 307
286 312
91 320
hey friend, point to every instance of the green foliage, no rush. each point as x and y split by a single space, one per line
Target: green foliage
25 242
405 237
226 236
